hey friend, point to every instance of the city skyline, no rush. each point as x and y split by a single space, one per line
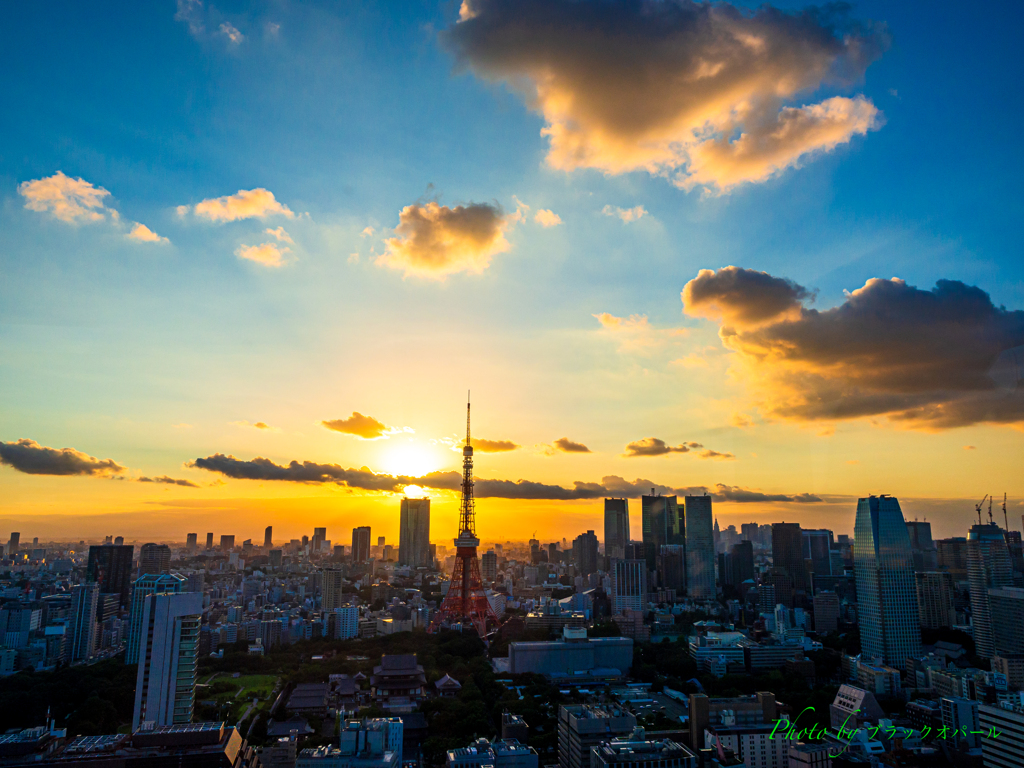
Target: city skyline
194 299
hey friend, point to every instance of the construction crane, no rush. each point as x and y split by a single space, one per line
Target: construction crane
1006 521
990 510
978 506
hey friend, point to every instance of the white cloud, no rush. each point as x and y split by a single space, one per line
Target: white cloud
626 214
231 33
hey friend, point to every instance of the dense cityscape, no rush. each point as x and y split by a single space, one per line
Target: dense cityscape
771 646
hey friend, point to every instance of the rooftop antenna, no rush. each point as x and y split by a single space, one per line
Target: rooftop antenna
978 506
990 510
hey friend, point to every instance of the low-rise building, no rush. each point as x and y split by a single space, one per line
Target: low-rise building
583 726
636 751
504 753
398 683
574 657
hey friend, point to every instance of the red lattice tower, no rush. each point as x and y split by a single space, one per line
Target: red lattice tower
466 600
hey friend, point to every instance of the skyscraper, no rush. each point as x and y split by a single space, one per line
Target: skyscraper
332 582
1007 605
12 545
191 542
886 591
988 567
740 562
671 562
817 545
317 542
268 537
361 544
81 640
110 566
788 553
584 553
935 594
952 556
209 541
168 652
154 559
414 533
922 548
146 585
700 548
616 527
489 565
661 524
629 586
227 542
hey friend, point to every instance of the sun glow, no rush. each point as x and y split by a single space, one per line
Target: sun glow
410 459
415 492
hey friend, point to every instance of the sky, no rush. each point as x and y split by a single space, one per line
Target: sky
254 255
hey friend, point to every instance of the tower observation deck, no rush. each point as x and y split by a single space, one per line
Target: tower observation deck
466 599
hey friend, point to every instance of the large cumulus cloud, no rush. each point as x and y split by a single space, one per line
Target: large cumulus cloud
30 457
938 358
433 240
363 479
694 91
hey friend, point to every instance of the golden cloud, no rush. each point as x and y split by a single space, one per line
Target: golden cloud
435 241
362 426
547 218
934 359
244 204
144 234
267 254
692 91
565 445
636 332
493 446
65 198
628 215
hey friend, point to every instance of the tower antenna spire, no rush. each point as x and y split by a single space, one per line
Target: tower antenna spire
467 417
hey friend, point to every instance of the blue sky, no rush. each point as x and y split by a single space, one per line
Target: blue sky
350 112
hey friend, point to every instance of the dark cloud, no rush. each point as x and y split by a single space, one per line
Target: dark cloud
484 488
653 446
30 457
365 427
566 445
433 240
928 359
742 297
692 91
168 481
493 446
709 454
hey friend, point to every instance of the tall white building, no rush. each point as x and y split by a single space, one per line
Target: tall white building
629 586
700 548
886 589
345 622
168 652
81 642
414 533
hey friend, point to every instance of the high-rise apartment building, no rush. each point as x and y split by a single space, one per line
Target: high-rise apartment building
826 612
616 527
952 556
268 537
629 586
209 541
332 581
661 524
935 604
191 542
276 557
168 653
988 567
584 553
146 585
81 638
1007 605
739 564
154 559
110 566
671 567
414 533
700 548
227 542
788 553
489 565
361 544
886 591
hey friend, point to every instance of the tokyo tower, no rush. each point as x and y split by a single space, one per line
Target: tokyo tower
466 600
